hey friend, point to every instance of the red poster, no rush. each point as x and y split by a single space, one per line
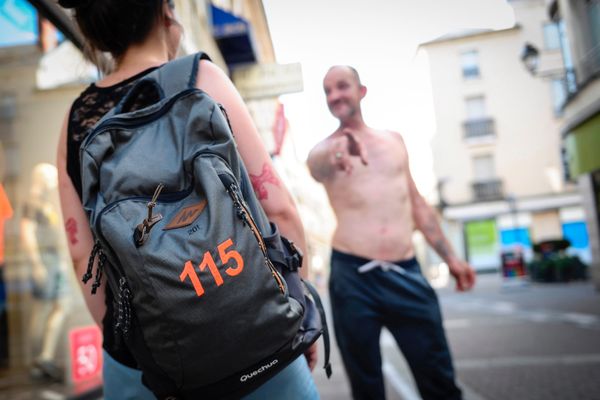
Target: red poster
86 353
279 128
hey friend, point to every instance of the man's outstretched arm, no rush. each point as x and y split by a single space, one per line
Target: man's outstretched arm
319 162
426 220
334 154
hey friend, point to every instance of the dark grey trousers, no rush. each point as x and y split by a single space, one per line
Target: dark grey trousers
401 300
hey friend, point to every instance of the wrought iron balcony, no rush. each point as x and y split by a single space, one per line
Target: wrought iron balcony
487 190
478 128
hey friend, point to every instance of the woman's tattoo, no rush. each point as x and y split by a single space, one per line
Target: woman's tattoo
71 228
258 181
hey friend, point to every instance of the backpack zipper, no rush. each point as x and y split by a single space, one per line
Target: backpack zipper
142 231
120 121
244 214
165 198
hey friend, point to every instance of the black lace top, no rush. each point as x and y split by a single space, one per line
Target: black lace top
91 105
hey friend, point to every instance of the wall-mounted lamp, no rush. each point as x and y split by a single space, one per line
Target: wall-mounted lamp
530 56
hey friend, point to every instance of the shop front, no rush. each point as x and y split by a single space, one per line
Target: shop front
49 345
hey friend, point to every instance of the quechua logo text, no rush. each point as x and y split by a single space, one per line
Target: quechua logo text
258 371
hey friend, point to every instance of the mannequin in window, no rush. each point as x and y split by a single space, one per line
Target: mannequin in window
41 230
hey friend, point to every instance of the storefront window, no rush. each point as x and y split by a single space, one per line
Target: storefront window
48 341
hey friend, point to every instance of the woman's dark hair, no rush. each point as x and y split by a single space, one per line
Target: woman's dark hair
114 25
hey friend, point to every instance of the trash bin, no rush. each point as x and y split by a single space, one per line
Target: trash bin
513 263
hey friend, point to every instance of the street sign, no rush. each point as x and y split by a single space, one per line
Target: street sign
268 80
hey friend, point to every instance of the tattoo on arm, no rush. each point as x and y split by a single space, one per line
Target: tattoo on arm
258 181
430 226
71 228
441 248
434 235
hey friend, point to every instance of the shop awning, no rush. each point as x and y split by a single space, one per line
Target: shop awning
59 18
233 36
54 13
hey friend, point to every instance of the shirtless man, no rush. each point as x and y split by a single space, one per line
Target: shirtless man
375 279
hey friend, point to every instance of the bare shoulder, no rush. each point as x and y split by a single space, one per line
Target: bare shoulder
389 137
207 66
210 77
394 135
322 145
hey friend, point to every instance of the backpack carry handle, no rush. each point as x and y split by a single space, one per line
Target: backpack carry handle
171 78
147 89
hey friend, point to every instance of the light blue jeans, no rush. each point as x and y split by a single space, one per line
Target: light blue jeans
295 382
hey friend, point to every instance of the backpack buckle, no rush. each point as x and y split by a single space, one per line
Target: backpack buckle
294 259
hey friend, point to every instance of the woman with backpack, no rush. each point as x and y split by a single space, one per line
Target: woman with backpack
141 36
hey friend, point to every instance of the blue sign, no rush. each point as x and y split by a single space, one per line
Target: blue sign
18 23
509 237
576 233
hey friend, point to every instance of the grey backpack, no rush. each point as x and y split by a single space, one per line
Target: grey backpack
206 292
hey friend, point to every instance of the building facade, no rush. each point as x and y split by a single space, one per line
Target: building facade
496 149
580 130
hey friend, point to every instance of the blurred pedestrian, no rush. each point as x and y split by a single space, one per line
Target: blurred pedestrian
141 36
375 278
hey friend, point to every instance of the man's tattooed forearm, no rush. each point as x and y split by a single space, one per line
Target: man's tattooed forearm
431 226
442 249
434 234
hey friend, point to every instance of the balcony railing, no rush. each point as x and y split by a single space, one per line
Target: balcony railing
488 190
479 128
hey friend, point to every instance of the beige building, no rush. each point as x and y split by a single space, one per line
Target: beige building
497 147
581 124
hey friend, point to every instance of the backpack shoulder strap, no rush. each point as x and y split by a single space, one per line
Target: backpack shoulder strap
178 74
326 345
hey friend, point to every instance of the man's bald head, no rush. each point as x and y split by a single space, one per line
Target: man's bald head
349 68
343 92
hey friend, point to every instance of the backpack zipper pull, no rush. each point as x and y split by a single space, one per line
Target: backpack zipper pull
142 231
88 274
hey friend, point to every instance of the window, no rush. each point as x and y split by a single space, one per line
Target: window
593 11
551 36
593 54
475 108
483 168
559 95
470 64
477 123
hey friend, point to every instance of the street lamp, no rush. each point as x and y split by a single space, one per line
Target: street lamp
442 203
530 56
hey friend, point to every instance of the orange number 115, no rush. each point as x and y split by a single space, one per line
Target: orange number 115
208 262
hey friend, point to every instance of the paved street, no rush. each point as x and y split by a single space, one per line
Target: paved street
509 342
539 341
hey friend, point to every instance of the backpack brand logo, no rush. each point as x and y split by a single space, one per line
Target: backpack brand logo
186 216
262 369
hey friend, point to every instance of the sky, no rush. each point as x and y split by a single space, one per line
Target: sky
380 38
